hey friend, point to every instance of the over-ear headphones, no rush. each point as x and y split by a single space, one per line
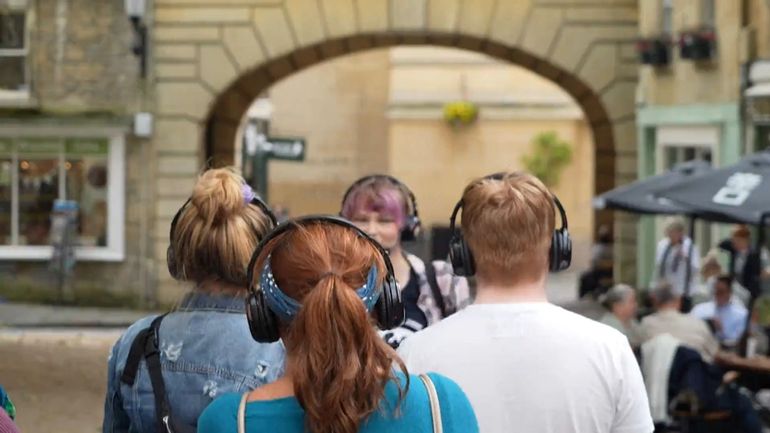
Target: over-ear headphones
412 225
263 322
171 255
461 257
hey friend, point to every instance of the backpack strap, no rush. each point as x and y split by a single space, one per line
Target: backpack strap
146 345
430 275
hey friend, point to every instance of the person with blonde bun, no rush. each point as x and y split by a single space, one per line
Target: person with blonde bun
203 347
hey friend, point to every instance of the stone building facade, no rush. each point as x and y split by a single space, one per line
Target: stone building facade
209 59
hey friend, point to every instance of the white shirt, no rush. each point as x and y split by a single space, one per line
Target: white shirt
674 270
535 367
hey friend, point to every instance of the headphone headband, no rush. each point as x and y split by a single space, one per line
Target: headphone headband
559 254
255 201
411 200
307 220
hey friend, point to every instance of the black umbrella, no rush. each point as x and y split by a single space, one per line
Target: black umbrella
737 193
639 197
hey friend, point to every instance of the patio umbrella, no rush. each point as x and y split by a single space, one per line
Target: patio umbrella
738 193
639 196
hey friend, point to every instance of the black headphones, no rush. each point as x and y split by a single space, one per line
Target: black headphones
559 255
413 225
263 323
171 255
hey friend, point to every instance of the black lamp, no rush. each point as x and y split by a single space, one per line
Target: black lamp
135 9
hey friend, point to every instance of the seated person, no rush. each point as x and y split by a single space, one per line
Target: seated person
621 303
725 315
668 319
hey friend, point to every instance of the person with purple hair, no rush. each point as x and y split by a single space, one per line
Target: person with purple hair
385 208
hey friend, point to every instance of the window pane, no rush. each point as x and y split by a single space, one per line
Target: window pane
12 28
6 185
13 73
87 176
38 188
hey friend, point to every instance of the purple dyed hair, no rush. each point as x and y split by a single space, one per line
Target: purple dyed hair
376 196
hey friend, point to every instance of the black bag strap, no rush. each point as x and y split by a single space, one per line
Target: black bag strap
430 275
147 345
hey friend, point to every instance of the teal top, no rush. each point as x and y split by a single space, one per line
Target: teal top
285 415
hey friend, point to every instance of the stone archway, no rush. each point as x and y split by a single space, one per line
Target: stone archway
212 58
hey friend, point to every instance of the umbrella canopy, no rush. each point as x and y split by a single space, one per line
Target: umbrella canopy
639 196
737 193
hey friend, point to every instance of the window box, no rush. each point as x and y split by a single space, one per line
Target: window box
698 45
654 51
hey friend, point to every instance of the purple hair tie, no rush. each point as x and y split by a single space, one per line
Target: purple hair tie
248 194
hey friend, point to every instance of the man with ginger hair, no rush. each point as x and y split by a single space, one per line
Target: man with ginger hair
525 364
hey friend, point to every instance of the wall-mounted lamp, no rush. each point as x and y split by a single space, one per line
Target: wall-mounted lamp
135 9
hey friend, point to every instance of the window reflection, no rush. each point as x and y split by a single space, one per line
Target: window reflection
38 188
87 185
6 191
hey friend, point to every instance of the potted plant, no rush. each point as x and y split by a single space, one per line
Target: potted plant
460 113
550 156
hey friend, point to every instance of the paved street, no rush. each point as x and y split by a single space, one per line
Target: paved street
53 360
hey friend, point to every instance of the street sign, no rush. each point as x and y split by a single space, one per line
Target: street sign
291 149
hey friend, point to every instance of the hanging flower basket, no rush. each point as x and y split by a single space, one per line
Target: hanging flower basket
460 113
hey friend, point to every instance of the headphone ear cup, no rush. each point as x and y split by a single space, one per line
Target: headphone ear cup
171 262
411 229
389 308
561 251
461 258
263 324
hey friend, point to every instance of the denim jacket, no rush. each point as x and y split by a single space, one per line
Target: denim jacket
205 350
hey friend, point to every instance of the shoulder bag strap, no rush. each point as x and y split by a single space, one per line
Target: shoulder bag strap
430 275
242 413
435 408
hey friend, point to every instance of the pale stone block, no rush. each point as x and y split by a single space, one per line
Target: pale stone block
175 70
541 29
408 14
599 68
216 68
274 31
176 135
166 208
443 15
625 134
603 15
175 52
619 98
174 187
575 40
475 17
178 15
178 165
625 164
509 21
242 43
372 15
183 98
186 34
340 17
306 21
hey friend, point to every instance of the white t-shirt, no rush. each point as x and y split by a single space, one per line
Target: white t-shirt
535 367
